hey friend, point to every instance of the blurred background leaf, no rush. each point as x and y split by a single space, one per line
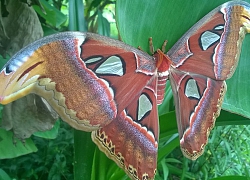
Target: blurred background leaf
169 20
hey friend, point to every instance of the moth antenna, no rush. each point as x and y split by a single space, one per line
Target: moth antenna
163 47
151 46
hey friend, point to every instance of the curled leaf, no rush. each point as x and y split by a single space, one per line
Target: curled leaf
18 28
28 115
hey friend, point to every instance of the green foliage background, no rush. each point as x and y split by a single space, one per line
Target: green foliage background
71 155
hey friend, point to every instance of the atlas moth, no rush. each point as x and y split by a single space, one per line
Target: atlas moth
104 86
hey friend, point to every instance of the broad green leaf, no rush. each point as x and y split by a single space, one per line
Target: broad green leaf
237 96
227 118
52 15
170 20
162 20
168 124
10 149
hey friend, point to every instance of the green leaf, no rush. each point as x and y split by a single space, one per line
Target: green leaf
76 16
52 15
4 175
227 118
237 95
83 145
231 178
168 147
19 28
28 115
84 153
162 20
10 150
170 20
168 124
3 61
103 25
50 134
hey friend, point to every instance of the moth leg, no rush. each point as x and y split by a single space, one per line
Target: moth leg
139 47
